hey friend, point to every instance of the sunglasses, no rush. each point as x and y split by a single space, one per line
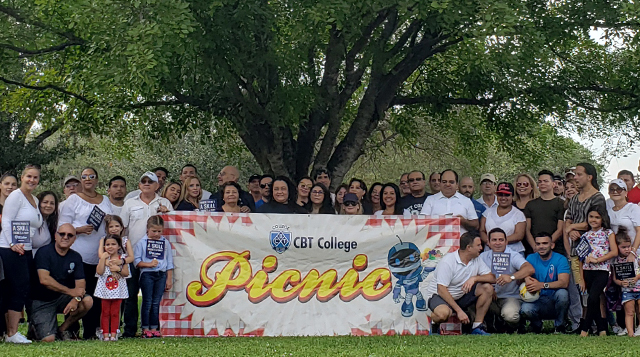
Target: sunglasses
71 185
522 184
88 177
146 182
615 190
350 203
68 235
305 186
265 185
415 179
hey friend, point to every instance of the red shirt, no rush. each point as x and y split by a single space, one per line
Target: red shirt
634 195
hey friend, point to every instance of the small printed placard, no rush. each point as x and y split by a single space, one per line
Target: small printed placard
583 249
20 232
500 263
208 205
96 217
155 249
624 270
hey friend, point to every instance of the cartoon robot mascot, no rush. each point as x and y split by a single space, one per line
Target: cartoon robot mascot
405 264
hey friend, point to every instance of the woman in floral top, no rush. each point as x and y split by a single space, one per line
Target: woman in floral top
595 268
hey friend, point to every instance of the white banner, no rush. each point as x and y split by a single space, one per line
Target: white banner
297 275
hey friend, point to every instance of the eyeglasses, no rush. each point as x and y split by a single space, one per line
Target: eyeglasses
317 192
68 235
418 179
350 203
265 185
522 184
615 190
88 177
71 185
486 182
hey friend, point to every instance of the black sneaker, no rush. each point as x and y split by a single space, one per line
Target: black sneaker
559 330
64 336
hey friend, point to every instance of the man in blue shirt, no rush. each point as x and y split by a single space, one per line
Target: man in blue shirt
551 280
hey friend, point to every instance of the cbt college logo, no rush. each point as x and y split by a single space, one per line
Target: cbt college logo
280 238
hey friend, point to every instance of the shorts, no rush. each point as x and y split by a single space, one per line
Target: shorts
464 301
630 296
44 315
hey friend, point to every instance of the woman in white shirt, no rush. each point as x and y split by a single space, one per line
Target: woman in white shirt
76 211
20 206
506 216
625 214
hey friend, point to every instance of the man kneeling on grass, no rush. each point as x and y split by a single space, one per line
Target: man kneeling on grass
510 268
460 280
61 289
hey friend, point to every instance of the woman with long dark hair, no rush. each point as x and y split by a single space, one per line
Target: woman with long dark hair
390 200
320 199
340 192
49 210
373 196
359 188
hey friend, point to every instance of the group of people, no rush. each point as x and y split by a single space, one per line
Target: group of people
89 256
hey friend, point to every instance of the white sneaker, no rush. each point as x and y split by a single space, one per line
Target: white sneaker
637 332
17 338
622 333
616 329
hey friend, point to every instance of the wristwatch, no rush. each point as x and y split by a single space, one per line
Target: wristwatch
546 285
513 277
78 298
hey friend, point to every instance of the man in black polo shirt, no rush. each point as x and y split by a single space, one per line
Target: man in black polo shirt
61 289
545 214
412 204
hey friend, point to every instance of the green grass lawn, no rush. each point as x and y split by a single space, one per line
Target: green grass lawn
464 346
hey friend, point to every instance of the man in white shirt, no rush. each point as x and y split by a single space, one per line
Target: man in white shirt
488 185
135 213
506 305
460 280
451 202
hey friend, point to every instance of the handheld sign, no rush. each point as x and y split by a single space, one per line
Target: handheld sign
155 249
20 232
500 263
96 217
583 249
208 205
624 270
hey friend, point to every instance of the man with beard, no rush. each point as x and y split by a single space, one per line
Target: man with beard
468 188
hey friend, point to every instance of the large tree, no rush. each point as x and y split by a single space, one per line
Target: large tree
306 83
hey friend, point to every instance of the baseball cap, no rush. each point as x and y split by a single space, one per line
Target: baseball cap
69 178
620 183
153 177
505 187
489 177
557 178
255 177
350 197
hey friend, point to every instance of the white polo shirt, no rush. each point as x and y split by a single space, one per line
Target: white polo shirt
135 214
458 204
453 273
486 206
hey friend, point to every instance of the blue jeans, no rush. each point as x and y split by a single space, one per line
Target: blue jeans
547 307
152 285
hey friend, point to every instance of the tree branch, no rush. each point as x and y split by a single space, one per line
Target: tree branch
24 19
25 52
47 87
38 140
